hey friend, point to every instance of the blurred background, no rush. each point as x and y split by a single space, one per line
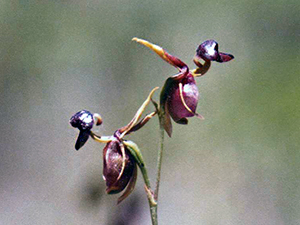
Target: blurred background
241 165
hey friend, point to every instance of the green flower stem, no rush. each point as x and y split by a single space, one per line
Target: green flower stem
159 156
153 211
153 208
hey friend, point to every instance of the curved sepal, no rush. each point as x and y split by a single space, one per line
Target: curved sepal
174 61
116 175
130 186
124 130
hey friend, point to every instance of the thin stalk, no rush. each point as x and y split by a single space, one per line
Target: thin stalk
153 211
151 195
159 157
151 200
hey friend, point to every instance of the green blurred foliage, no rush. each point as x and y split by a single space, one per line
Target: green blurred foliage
238 166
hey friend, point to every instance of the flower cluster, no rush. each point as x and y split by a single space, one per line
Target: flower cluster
178 100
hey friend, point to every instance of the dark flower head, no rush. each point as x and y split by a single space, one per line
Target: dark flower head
209 50
119 169
119 165
179 99
121 157
179 96
182 100
84 121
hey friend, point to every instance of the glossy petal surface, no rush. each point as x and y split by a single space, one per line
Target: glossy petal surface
176 107
112 167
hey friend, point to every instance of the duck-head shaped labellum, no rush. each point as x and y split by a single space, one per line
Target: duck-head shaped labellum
84 121
209 50
119 170
179 96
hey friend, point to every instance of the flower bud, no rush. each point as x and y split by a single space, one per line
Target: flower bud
116 173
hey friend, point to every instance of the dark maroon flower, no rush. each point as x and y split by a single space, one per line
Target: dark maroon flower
120 157
179 96
119 171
